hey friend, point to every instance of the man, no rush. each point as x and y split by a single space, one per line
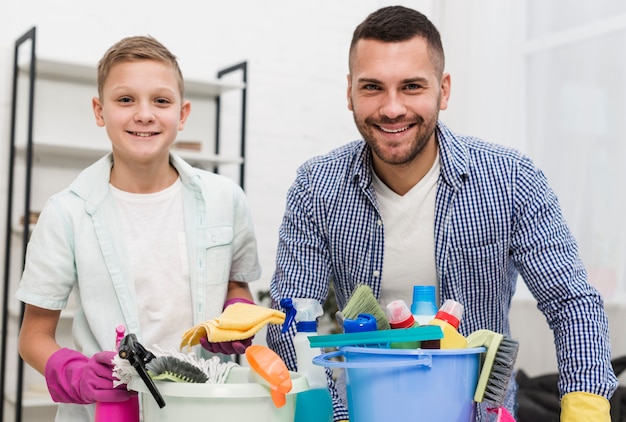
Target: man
414 203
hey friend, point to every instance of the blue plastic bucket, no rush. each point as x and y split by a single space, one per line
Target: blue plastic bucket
408 384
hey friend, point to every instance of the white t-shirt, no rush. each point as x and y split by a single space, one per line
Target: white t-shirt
409 222
154 231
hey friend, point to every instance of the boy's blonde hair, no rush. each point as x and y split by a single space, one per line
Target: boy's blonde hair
133 49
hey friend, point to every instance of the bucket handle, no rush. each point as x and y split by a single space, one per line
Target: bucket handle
324 360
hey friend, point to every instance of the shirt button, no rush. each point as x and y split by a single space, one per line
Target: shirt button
214 239
379 222
376 274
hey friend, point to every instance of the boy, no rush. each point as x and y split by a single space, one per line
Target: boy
142 238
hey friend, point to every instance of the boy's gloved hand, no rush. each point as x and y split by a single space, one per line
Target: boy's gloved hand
580 406
236 347
74 378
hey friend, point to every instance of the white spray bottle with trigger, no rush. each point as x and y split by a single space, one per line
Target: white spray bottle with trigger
315 404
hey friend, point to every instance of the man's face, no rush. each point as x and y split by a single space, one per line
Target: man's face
395 94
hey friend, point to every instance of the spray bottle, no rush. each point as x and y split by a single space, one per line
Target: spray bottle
448 318
315 404
125 411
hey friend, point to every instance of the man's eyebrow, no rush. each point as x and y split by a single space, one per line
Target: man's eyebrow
369 80
417 79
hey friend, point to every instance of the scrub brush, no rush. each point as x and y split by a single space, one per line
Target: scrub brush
496 371
170 368
362 301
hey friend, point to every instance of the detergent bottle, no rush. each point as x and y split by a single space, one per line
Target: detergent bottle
448 318
423 306
400 316
125 411
315 404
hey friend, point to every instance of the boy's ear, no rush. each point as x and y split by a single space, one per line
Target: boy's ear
97 111
185 109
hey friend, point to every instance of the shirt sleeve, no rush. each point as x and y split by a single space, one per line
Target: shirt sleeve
546 255
245 264
49 273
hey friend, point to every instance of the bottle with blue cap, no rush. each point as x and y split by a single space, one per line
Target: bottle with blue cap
424 307
315 404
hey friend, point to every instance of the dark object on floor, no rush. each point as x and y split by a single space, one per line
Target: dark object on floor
538 397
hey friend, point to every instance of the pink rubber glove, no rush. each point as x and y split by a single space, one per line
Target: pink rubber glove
236 347
74 378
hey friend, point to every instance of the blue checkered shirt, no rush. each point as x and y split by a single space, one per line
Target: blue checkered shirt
495 218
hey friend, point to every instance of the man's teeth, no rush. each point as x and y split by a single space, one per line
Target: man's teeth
143 134
394 130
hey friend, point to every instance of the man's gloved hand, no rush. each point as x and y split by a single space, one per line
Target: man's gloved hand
74 378
580 406
236 347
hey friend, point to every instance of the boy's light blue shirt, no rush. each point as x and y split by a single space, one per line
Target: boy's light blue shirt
77 246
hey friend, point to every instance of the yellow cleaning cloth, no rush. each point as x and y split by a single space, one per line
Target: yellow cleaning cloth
239 321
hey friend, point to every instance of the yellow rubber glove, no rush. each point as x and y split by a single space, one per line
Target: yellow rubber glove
585 407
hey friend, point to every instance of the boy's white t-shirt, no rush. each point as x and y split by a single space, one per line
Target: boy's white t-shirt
409 251
154 231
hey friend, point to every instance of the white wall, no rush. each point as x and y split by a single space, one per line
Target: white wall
297 58
297 61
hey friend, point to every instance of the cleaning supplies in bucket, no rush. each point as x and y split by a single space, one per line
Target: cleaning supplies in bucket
380 339
448 318
400 316
424 305
497 369
269 369
238 398
408 385
126 411
315 404
363 301
231 392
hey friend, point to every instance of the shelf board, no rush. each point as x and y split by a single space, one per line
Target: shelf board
81 73
82 154
32 398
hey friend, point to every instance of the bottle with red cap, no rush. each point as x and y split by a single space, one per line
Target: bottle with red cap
400 316
448 318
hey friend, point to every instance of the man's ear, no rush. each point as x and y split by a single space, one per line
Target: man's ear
349 89
445 91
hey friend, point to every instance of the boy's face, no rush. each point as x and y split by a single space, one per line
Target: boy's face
142 109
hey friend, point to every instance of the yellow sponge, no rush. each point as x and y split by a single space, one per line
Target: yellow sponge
239 321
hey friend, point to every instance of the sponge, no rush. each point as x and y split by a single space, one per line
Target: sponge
363 301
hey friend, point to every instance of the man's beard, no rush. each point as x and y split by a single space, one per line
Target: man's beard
425 130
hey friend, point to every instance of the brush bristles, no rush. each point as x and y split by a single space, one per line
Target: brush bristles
174 369
501 371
